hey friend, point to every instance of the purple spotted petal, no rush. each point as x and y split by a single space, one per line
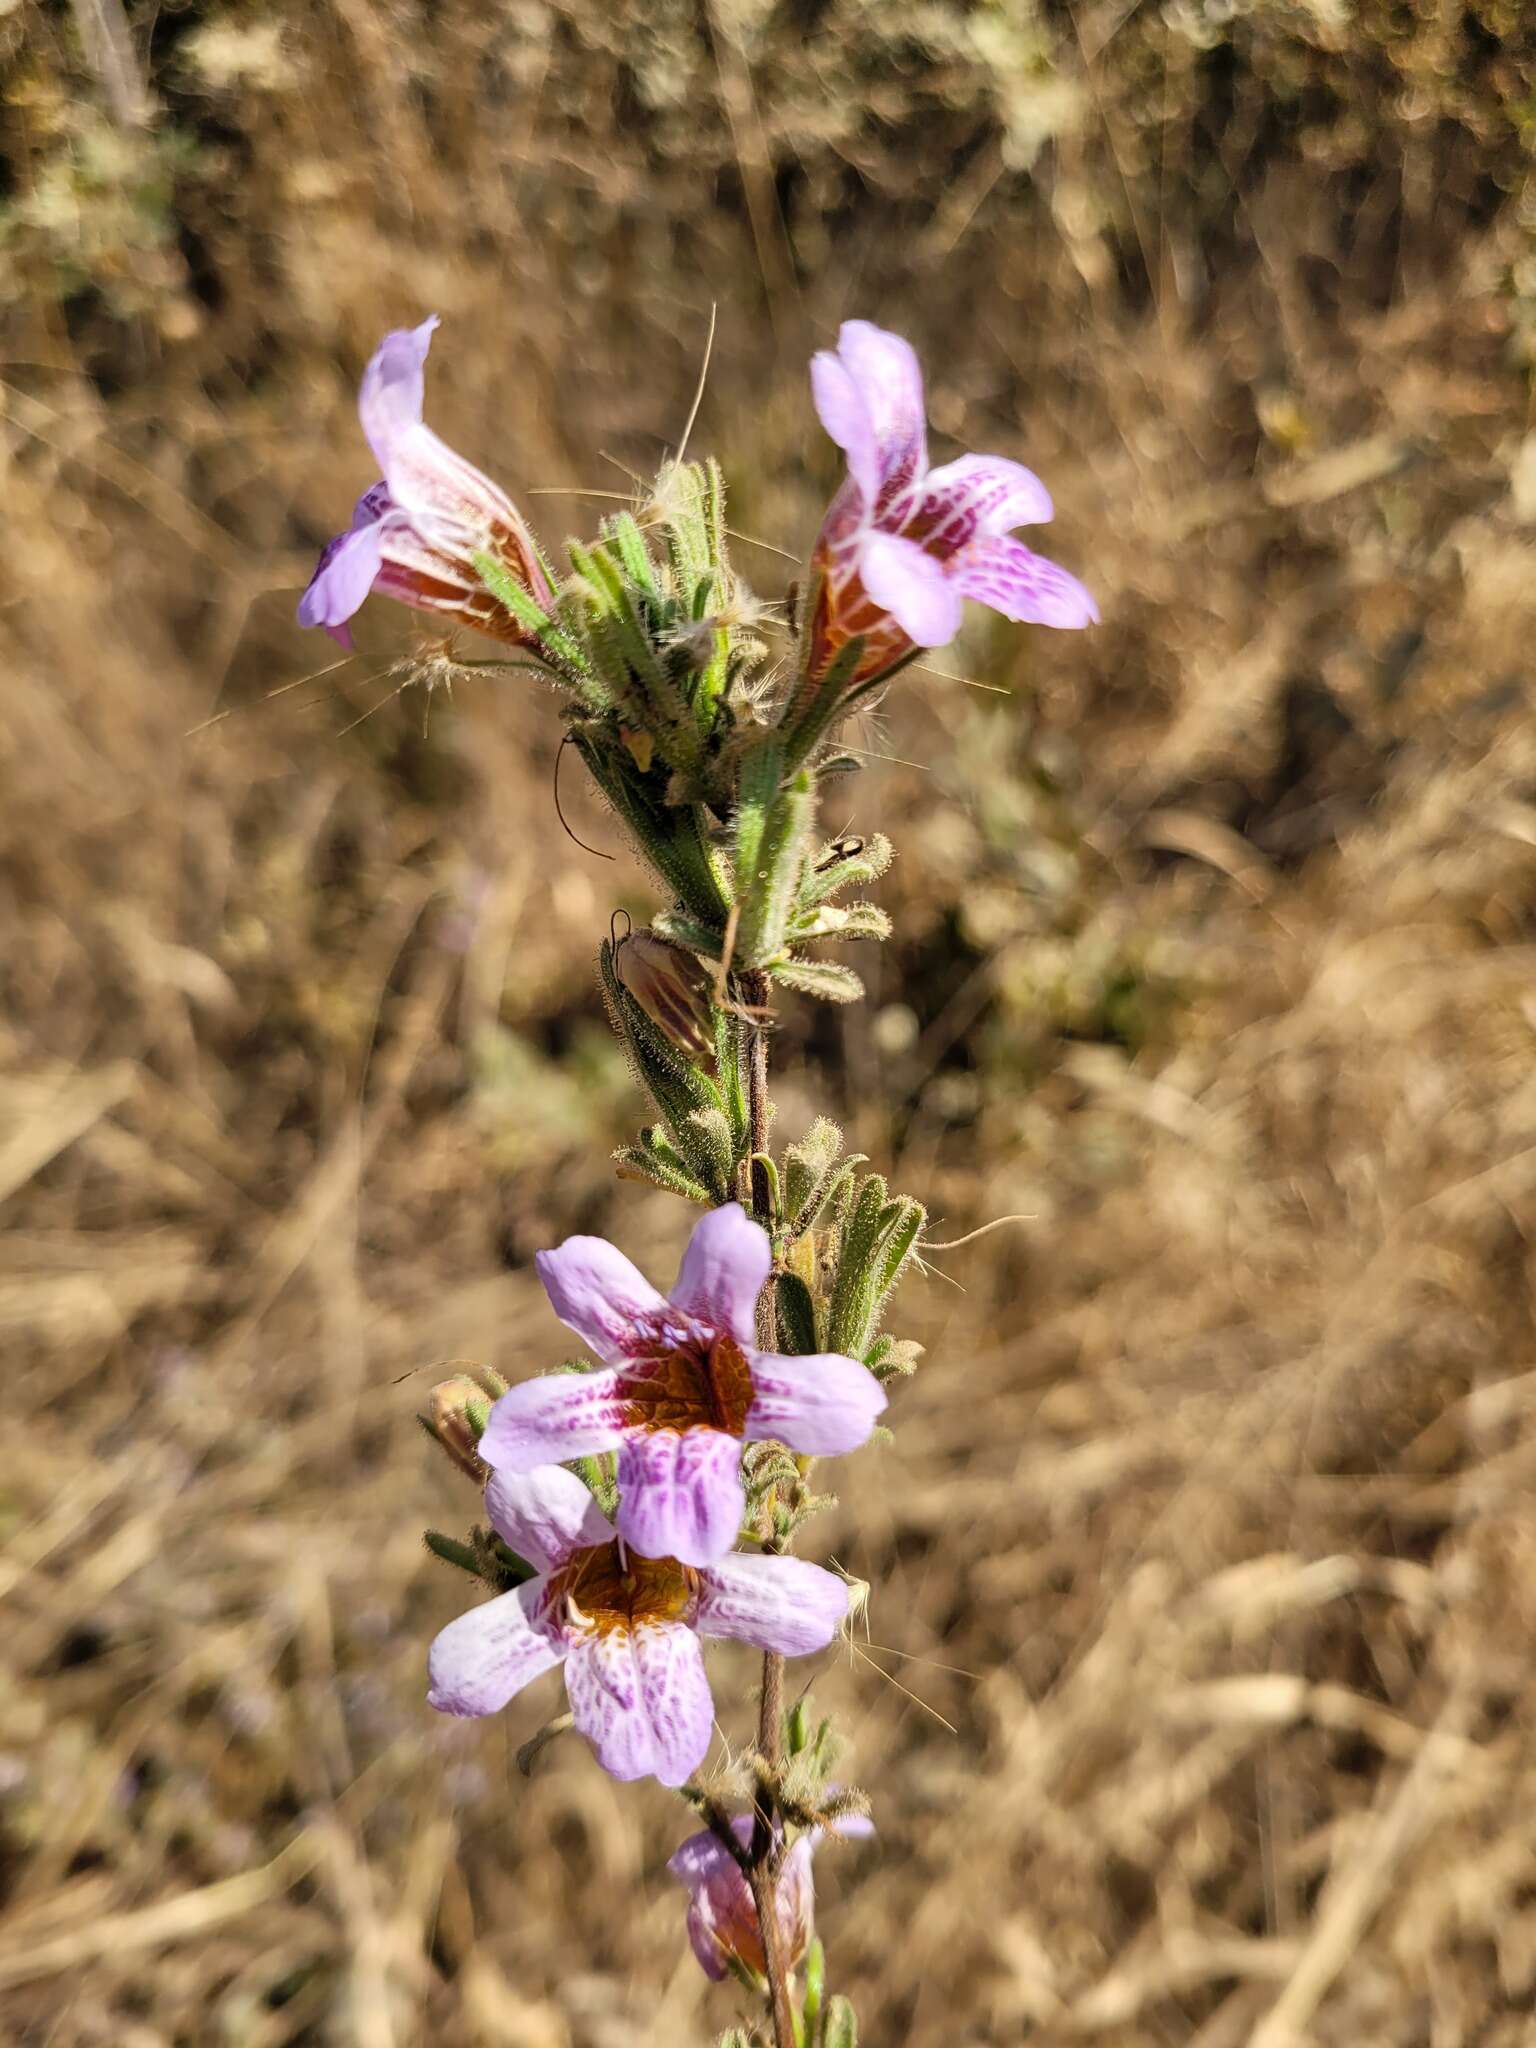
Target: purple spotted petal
723 1271
842 411
1021 585
777 1603
642 1700
680 1493
887 376
545 1515
343 577
599 1294
980 494
904 580
548 1420
479 1661
822 1405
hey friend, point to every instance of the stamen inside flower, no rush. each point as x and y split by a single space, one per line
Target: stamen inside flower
701 1380
610 1587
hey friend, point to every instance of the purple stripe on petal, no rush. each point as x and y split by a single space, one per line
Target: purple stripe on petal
822 1405
548 1420
545 1515
642 1700
680 1493
723 1271
980 494
479 1661
909 584
599 1294
1021 585
777 1603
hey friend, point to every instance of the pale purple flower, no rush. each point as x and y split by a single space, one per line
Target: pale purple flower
414 535
901 543
627 1627
684 1385
722 1914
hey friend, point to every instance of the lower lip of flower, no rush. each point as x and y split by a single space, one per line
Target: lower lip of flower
702 1383
609 1587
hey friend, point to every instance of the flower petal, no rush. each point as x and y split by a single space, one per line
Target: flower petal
394 389
722 1920
778 1603
642 1700
981 494
796 1897
599 1294
545 1515
703 1856
885 373
912 586
343 577
680 1493
723 1271
824 1404
547 1420
479 1661
455 508
1021 585
842 411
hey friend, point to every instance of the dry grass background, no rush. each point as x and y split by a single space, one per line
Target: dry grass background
1199 1704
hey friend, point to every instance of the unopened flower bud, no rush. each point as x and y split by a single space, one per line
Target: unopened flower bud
456 1416
722 1918
673 988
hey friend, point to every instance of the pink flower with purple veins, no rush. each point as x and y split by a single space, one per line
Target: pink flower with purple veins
626 1627
415 534
901 543
722 1914
684 1385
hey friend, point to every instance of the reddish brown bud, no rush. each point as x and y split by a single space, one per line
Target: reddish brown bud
673 988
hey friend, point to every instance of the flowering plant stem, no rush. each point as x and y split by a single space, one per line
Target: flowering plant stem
763 1875
640 1504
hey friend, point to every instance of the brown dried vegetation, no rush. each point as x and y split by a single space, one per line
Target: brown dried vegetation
1206 1542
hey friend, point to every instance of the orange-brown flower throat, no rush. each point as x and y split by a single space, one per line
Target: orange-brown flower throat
610 1587
704 1383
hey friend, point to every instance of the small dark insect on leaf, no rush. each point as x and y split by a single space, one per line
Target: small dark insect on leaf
849 847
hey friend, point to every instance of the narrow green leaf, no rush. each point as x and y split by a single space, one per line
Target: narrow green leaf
828 980
767 889
797 1316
